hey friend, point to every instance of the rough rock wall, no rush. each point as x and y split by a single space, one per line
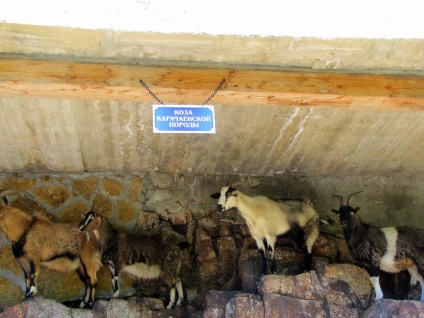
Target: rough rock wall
335 290
221 254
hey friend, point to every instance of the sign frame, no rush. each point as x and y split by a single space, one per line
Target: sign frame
183 119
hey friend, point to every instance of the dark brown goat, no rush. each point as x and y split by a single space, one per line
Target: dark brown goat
391 249
141 256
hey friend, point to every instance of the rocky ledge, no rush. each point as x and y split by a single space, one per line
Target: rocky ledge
332 290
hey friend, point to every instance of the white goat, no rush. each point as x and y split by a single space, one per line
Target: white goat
36 240
391 249
267 219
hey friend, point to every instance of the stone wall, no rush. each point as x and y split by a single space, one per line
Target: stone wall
335 290
221 254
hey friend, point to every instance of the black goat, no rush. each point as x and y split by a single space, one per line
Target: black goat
391 249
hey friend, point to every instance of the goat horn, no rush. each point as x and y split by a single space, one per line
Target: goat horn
350 197
253 183
95 207
339 197
236 184
6 192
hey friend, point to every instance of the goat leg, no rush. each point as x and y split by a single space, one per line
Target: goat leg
272 257
115 278
375 280
83 276
171 298
308 261
27 284
32 292
263 259
261 250
180 291
270 242
27 269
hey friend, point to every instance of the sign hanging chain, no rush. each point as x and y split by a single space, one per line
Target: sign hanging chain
204 103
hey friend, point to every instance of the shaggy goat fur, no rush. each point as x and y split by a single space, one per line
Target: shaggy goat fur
141 256
391 249
36 240
268 219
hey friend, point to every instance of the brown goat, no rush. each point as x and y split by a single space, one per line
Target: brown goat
36 240
141 256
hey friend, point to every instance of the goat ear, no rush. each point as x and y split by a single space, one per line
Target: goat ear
215 195
82 215
357 209
335 211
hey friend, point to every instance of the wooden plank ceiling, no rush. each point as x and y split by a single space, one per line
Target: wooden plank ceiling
188 85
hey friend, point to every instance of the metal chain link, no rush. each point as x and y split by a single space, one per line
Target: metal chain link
150 92
214 92
204 103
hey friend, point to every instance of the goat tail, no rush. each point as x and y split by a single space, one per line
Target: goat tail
311 232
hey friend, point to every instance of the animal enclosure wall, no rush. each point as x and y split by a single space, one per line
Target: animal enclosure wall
179 206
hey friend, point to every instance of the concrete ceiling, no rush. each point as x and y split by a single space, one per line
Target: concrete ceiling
71 101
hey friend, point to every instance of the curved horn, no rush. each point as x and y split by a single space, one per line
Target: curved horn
95 207
350 197
339 197
251 183
236 183
6 192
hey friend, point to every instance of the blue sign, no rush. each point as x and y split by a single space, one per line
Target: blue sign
183 119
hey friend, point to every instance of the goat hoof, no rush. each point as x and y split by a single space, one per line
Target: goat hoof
86 306
29 296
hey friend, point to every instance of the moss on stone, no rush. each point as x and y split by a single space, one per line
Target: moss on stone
11 294
86 187
19 183
126 211
8 261
59 286
112 187
72 213
52 195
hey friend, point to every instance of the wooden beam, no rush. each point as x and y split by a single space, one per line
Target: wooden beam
187 85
